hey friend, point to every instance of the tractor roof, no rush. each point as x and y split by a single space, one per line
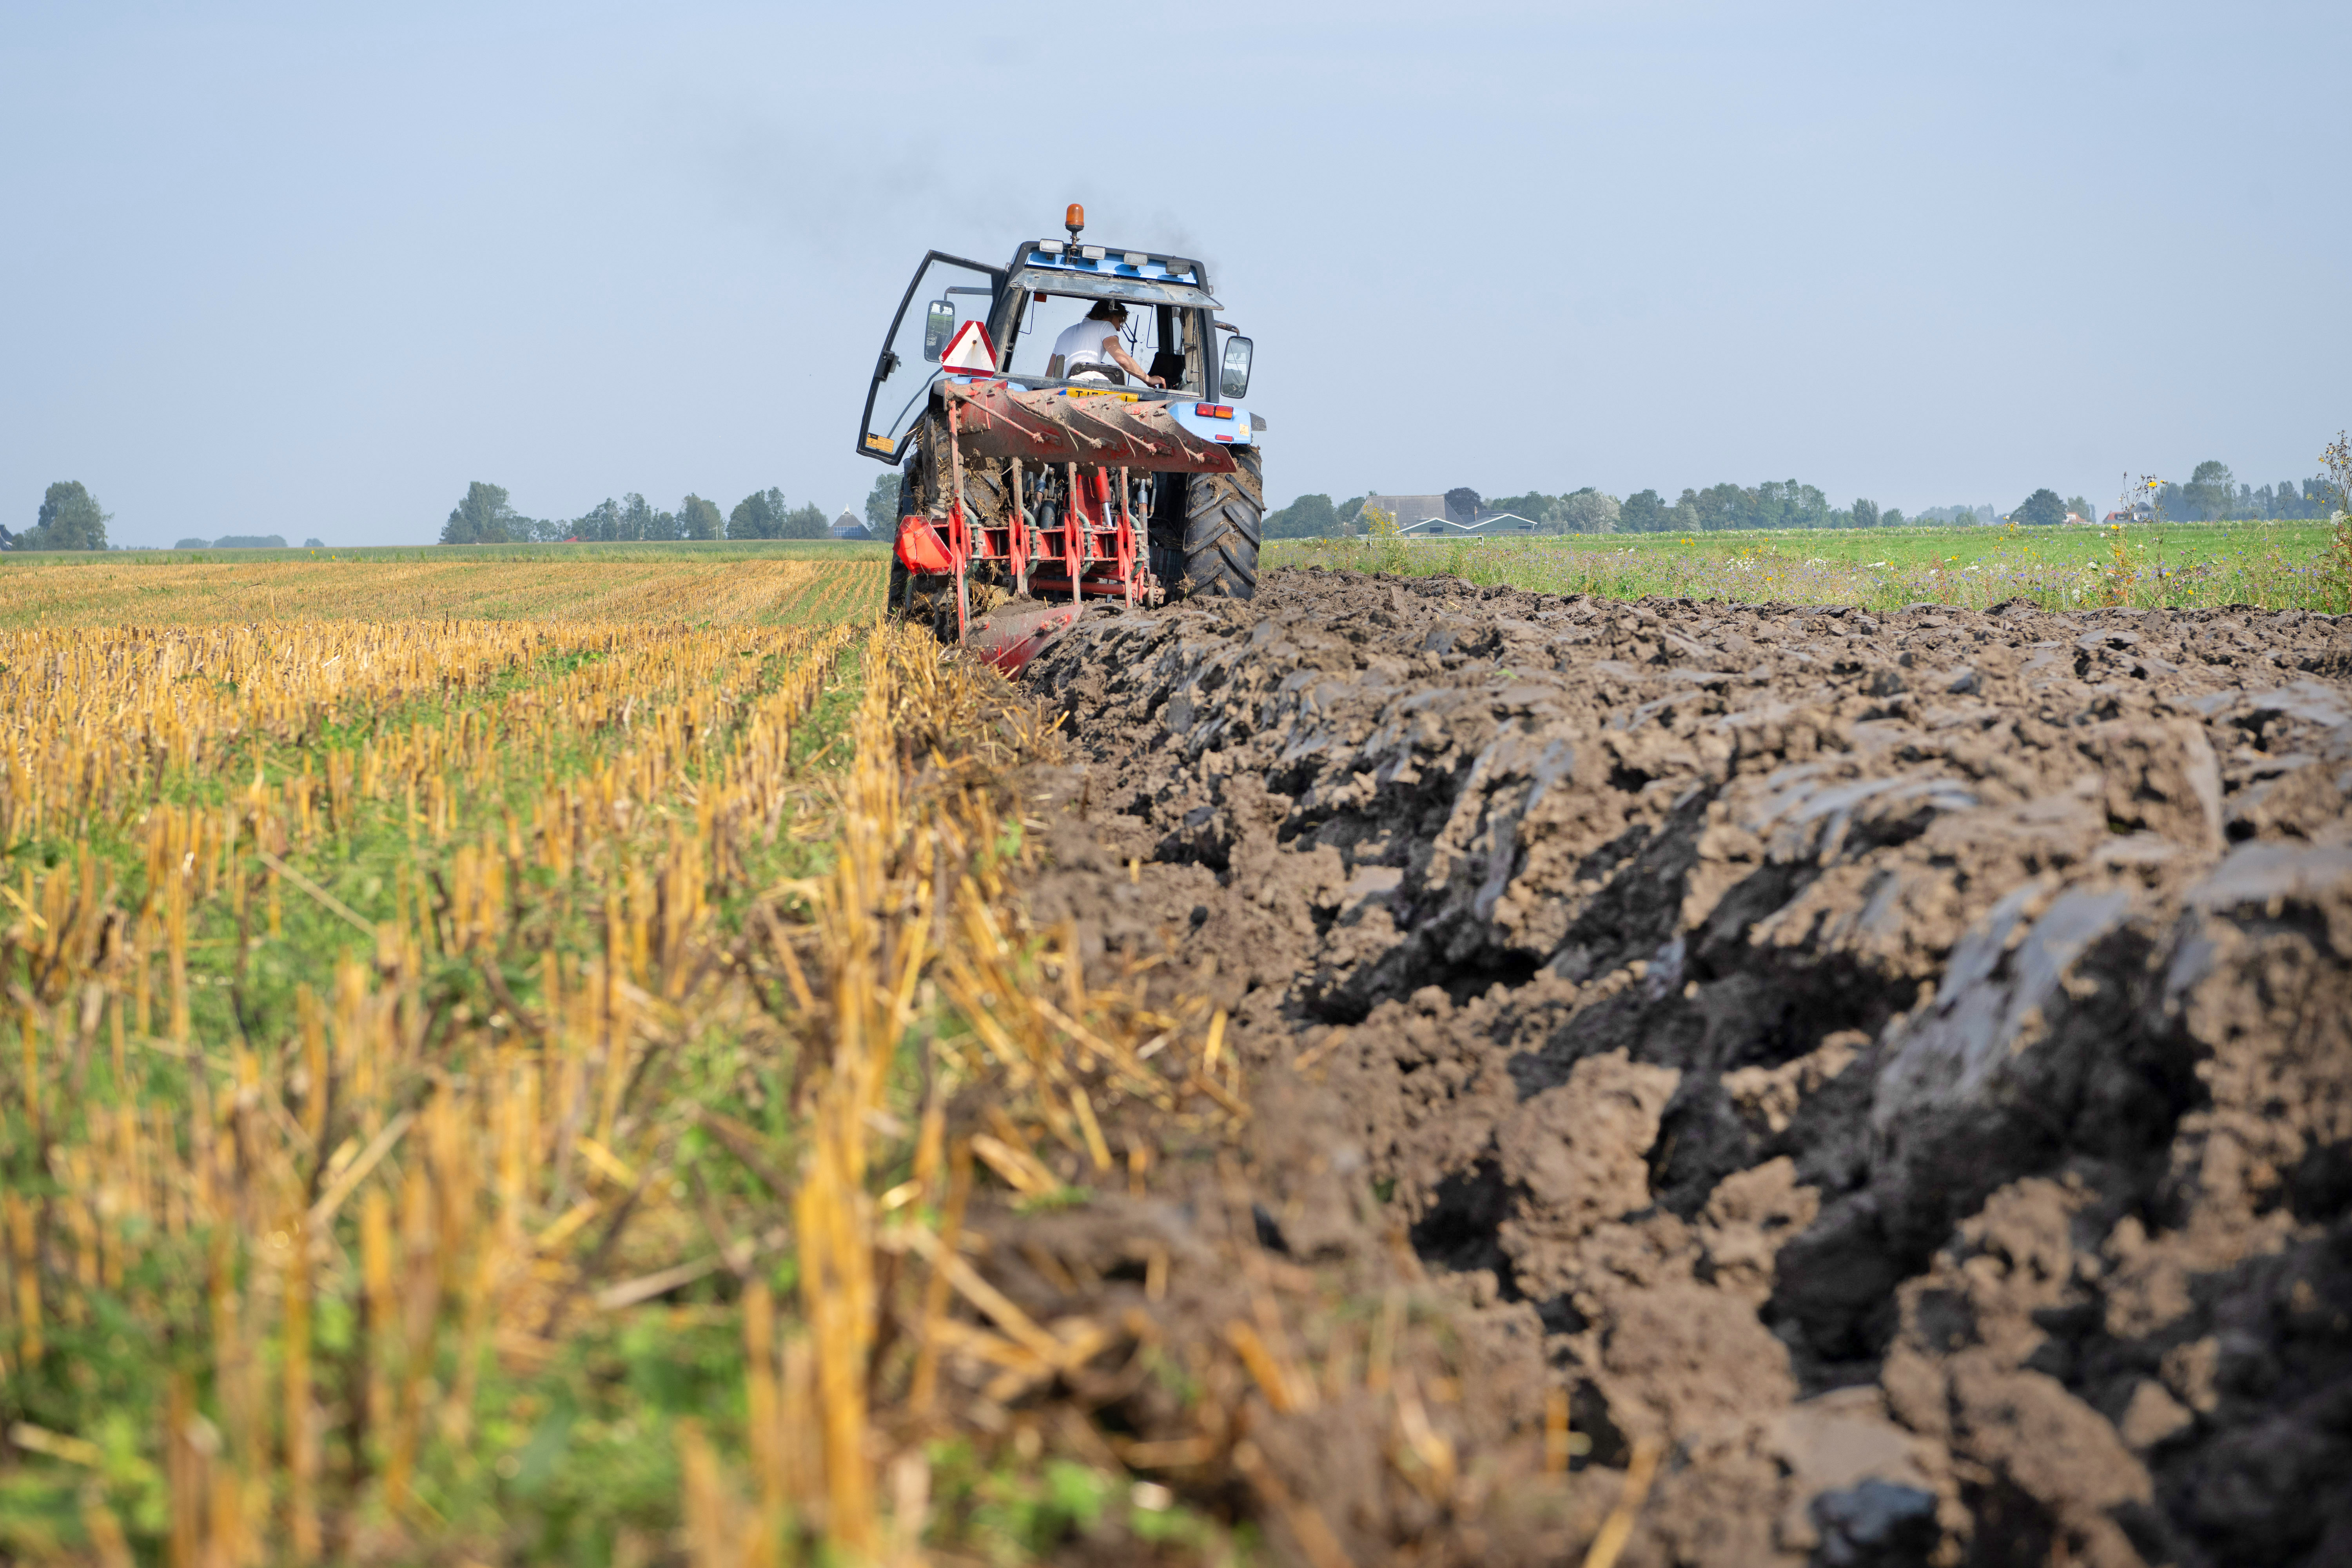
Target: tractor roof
1095 271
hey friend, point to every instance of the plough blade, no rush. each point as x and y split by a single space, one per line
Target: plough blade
1011 637
1097 429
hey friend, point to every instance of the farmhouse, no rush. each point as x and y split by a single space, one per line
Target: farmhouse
1409 511
1427 517
1487 527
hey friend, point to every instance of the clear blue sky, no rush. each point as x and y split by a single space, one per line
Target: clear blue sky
309 271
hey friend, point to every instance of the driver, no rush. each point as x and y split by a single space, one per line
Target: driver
1092 347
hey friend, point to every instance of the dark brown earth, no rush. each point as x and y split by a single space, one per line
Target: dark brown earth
1900 1065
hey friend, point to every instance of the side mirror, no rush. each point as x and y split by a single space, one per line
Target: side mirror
939 326
1234 382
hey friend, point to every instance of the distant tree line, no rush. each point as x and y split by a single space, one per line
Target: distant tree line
246 541
1776 504
487 517
70 519
2211 494
1313 517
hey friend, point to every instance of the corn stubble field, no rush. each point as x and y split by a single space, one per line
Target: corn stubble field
467 1106
515 1055
614 584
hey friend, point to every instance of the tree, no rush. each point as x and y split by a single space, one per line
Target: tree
696 517
1309 517
640 519
482 518
1866 514
1643 512
2043 508
2209 490
1717 506
598 521
314 544
756 515
804 523
1588 512
1785 503
1891 518
69 520
2082 509
1462 504
882 506
1535 506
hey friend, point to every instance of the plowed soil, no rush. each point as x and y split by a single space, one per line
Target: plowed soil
1897 1068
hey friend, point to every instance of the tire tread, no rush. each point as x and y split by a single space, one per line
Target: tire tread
1225 523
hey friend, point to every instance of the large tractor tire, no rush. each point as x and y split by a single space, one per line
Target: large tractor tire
987 490
1209 548
987 481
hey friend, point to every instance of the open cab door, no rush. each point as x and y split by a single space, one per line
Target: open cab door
946 291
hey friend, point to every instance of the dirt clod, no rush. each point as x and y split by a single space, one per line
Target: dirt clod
1902 1064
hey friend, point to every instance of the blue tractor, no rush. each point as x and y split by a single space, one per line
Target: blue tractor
1030 486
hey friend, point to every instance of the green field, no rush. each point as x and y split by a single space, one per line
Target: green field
2283 565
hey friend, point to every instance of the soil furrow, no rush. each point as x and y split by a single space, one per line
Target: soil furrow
1899 1064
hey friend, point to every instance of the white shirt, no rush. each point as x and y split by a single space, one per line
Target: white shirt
1083 344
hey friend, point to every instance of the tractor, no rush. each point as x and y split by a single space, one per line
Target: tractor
1029 487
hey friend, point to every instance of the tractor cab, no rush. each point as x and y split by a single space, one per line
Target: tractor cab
1050 284
1038 478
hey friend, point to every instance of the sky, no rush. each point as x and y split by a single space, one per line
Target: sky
310 270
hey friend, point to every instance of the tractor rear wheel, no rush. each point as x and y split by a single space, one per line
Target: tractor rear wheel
917 596
987 491
987 481
1210 551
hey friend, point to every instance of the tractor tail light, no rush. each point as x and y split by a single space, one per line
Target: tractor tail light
1214 410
